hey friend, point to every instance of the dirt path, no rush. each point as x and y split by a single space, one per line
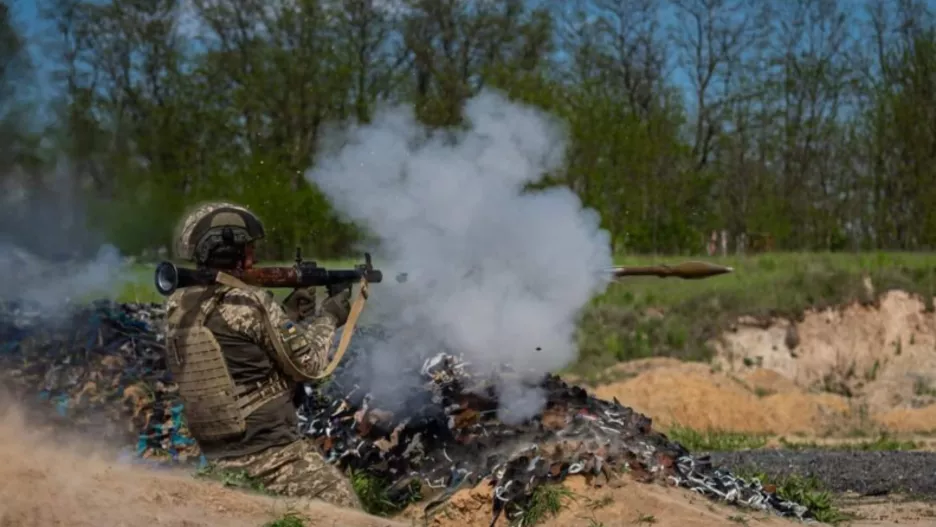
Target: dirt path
76 484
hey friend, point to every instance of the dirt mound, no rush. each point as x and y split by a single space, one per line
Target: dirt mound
47 481
881 356
628 503
695 396
833 371
632 503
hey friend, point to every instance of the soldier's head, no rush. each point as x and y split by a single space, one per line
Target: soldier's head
219 235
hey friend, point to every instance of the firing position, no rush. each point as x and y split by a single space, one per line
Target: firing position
237 355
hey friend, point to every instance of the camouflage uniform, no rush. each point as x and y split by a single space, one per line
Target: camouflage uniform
241 412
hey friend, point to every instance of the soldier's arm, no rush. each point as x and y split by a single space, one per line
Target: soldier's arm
308 346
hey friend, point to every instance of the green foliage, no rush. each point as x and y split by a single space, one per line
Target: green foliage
807 491
884 442
290 519
375 494
546 501
820 146
230 478
715 440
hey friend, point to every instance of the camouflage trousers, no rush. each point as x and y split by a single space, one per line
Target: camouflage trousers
296 470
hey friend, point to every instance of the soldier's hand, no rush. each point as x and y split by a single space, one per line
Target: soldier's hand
338 305
300 304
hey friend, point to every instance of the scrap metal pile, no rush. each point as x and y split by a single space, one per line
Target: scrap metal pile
100 368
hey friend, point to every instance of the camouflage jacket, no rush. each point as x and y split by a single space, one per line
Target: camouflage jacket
247 346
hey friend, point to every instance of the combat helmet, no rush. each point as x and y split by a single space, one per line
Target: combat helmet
213 229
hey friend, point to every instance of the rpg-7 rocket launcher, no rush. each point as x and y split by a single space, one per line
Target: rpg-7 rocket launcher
685 270
301 274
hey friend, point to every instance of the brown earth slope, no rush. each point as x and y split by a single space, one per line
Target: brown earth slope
46 482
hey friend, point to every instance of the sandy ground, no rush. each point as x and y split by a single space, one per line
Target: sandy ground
892 511
48 482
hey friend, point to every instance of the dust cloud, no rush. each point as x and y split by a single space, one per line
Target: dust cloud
495 273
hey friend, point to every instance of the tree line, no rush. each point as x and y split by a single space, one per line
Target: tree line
811 122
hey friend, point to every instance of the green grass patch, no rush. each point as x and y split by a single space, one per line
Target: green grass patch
883 443
715 440
648 317
377 497
807 491
238 479
546 501
290 519
725 441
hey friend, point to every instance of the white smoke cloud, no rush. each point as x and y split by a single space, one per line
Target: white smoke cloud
51 285
494 273
48 257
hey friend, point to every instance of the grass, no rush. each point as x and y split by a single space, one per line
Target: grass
230 478
375 494
546 501
727 441
626 323
290 519
645 519
715 440
807 491
883 443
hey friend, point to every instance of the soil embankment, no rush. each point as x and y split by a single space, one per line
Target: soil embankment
49 481
835 372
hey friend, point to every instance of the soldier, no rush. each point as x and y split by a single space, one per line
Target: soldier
237 356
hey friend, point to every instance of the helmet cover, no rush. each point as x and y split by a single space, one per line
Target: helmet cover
212 224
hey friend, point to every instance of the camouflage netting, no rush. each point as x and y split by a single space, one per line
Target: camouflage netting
100 369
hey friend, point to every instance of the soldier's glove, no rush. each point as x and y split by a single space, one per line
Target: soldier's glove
338 305
334 289
300 304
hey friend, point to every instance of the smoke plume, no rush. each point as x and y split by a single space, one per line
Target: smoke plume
48 256
494 273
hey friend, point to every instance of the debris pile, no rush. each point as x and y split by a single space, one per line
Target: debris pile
99 369
102 371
